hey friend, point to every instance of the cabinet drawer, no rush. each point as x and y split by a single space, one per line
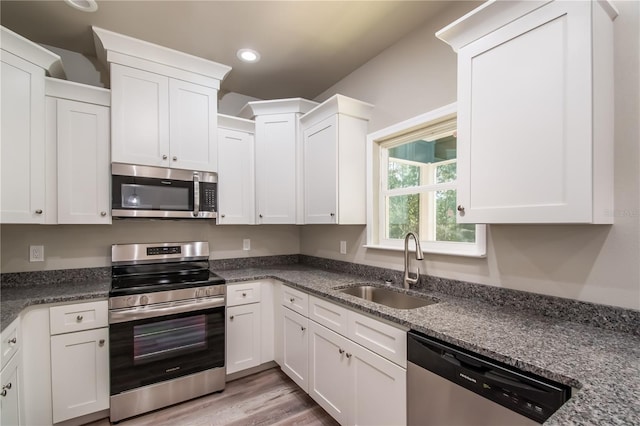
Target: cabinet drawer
10 341
295 300
243 293
332 316
379 337
79 316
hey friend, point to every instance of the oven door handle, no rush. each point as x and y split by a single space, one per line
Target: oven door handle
162 309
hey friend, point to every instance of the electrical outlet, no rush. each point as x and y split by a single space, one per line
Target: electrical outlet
246 244
36 253
343 247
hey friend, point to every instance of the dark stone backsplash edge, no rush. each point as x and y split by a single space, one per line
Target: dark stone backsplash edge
603 316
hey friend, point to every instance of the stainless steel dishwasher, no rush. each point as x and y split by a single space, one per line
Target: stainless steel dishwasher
451 386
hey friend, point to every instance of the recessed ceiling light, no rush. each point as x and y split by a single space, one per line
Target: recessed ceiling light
83 5
248 55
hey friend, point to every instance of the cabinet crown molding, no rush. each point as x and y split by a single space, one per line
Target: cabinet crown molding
236 123
338 104
107 41
277 106
77 91
495 14
32 52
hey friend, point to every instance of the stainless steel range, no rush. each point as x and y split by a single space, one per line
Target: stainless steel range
166 326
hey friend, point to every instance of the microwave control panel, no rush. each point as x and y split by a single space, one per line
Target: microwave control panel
208 196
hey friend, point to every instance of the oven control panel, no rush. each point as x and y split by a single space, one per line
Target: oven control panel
157 251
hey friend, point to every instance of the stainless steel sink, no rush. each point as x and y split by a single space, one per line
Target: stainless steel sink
387 297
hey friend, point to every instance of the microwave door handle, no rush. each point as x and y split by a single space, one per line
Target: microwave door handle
196 194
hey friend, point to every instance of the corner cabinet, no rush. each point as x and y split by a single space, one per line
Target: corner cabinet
164 103
334 141
236 176
24 65
535 112
78 160
278 159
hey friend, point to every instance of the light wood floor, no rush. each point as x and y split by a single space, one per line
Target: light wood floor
266 398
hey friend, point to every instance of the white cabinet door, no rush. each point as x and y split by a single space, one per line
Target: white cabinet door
10 400
84 194
276 162
79 373
378 390
140 114
526 119
22 170
329 371
320 171
295 337
193 126
236 183
243 337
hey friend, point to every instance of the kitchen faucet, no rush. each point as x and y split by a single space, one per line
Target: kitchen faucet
419 256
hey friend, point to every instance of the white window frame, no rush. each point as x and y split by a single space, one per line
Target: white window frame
436 122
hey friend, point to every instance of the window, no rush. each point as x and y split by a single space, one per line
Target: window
412 171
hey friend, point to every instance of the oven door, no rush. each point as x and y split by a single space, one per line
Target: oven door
147 350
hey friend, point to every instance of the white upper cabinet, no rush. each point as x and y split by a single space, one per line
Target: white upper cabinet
24 65
278 159
334 142
535 112
164 103
236 176
78 165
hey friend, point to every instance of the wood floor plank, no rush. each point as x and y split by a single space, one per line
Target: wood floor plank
265 398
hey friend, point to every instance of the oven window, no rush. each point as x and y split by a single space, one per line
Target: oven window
150 197
169 338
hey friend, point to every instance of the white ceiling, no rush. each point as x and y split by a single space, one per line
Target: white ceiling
306 46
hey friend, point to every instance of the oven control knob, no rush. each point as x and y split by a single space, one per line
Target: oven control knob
144 300
131 301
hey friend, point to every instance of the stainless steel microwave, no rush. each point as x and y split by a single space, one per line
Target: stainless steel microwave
158 192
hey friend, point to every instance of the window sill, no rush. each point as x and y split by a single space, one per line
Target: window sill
458 251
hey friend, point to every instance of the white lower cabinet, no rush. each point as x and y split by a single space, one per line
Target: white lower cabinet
79 359
353 384
243 341
80 373
10 399
295 354
352 365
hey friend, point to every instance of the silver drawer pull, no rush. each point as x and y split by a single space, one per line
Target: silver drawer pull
292 300
39 211
13 341
101 342
79 318
244 294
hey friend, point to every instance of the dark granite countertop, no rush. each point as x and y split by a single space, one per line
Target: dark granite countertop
603 365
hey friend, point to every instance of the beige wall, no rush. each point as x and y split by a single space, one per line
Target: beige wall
589 263
83 246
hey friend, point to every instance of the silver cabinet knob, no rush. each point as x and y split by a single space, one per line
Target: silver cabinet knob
332 214
101 342
39 211
164 157
7 386
231 317
103 214
222 215
12 341
348 355
460 208
260 216
292 300
144 300
79 318
244 294
303 328
175 158
340 351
